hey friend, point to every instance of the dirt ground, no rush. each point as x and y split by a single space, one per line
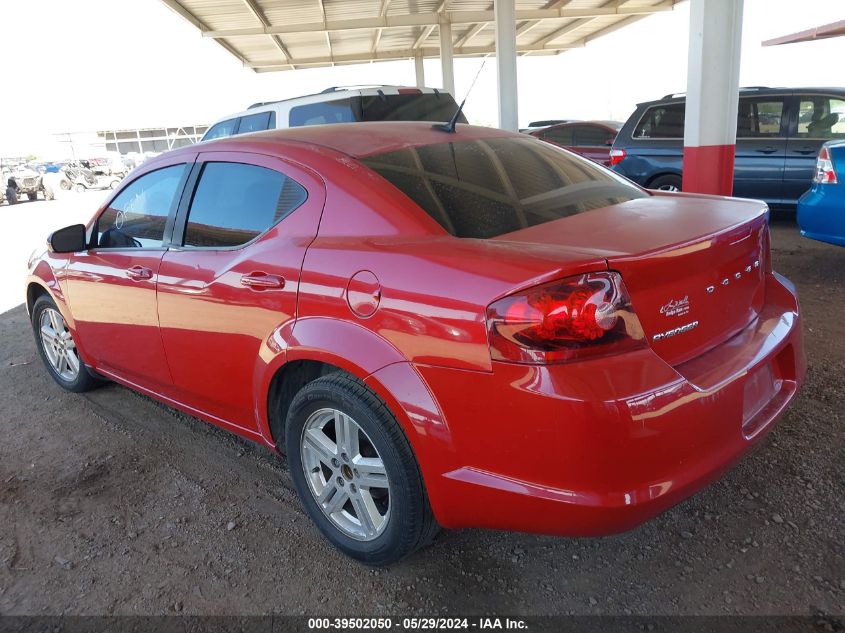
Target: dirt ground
113 504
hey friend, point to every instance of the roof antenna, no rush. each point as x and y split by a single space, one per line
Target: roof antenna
449 127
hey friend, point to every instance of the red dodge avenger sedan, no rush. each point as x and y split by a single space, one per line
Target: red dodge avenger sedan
437 329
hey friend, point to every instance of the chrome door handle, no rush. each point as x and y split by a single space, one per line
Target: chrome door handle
139 272
261 281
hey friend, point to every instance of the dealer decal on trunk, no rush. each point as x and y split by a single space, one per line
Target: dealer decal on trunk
675 307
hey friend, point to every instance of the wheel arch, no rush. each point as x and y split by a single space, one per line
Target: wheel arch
321 347
34 290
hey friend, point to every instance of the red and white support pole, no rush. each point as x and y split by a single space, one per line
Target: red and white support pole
712 96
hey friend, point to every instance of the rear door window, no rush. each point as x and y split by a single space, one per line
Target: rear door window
488 187
759 117
221 130
137 217
663 121
257 122
821 117
234 203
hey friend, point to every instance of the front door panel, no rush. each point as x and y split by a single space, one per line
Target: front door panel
113 298
112 286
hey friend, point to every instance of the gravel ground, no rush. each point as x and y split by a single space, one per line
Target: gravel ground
113 504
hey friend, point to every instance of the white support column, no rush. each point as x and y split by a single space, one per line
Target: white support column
446 58
712 96
505 11
419 69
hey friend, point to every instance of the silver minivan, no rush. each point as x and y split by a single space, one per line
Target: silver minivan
341 105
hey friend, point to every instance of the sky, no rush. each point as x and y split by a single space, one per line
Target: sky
84 65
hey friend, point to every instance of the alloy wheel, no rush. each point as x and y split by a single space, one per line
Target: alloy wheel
345 474
58 345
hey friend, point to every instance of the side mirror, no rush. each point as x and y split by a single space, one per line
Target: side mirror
70 239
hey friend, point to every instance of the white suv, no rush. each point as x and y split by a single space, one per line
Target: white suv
341 105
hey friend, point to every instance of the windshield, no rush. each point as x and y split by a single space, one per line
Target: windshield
489 187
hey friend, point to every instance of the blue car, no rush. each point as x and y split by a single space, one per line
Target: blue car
779 134
821 211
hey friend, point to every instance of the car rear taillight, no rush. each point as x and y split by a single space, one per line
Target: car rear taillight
617 156
571 319
825 174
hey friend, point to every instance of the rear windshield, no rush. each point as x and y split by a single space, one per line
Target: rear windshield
489 187
410 107
404 107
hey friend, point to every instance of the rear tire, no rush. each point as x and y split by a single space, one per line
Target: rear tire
666 182
32 195
79 188
54 342
390 495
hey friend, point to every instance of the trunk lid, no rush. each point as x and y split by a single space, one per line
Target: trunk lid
693 265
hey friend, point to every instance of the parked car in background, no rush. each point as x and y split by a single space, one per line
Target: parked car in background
468 329
341 105
78 177
536 125
29 183
592 139
779 134
821 210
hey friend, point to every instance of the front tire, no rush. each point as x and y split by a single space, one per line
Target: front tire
57 348
355 472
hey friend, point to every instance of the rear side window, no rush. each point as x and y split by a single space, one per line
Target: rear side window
821 117
221 130
257 122
664 121
338 111
559 135
235 203
759 117
138 216
592 136
489 187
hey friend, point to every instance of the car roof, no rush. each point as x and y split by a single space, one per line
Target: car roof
328 95
753 90
354 139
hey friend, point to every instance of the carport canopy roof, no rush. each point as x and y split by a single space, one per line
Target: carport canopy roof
274 35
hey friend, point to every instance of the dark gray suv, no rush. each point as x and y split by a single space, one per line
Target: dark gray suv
779 134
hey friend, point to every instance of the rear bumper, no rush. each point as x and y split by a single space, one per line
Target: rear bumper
821 214
599 447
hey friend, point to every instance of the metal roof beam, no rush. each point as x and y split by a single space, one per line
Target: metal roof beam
427 31
429 19
530 24
384 55
471 33
259 15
